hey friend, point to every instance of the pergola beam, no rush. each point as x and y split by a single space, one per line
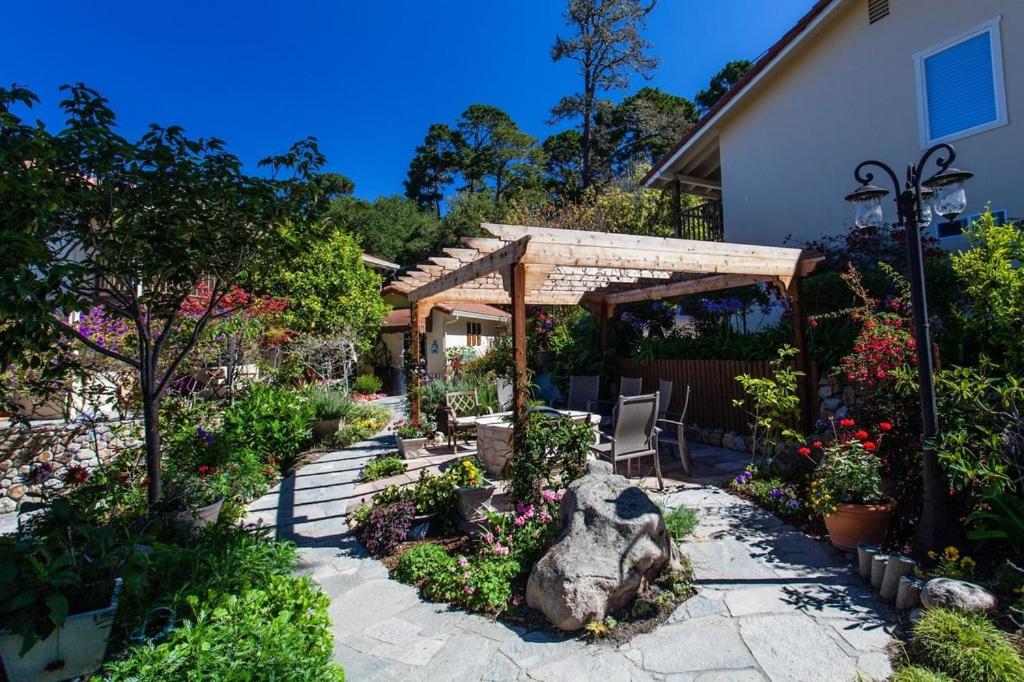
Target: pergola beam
503 258
689 286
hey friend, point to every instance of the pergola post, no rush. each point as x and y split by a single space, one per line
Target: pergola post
518 295
803 363
677 209
416 326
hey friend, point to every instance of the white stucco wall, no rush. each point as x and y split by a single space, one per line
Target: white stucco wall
789 150
449 331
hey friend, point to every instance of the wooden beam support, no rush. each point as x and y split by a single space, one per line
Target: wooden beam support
416 325
491 263
686 287
518 278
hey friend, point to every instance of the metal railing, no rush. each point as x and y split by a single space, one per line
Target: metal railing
703 222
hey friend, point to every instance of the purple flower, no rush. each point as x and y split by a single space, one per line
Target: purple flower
776 493
793 504
39 474
204 435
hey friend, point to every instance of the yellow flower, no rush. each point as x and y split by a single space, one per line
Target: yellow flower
967 563
952 553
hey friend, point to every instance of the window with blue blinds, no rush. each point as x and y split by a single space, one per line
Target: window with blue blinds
960 85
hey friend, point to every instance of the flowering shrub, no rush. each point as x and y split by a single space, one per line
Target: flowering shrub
883 346
526 533
949 564
416 428
549 446
781 498
849 470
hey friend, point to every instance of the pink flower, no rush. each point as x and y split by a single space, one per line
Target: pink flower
520 508
468 589
559 495
501 550
529 512
489 538
520 521
545 517
548 495
463 561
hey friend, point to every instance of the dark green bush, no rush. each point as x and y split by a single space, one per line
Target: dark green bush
271 422
964 646
423 562
279 631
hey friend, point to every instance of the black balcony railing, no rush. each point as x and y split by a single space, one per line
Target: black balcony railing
703 222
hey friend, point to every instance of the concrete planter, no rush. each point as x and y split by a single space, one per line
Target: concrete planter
408 447
324 428
473 500
74 650
204 516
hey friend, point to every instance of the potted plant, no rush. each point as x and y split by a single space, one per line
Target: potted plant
203 493
59 595
412 436
846 487
328 408
473 492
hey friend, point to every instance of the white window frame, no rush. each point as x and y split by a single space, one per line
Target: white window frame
992 28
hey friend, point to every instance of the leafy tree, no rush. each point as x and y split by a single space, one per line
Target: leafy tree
431 170
720 83
493 152
607 46
138 226
563 161
331 291
645 125
393 228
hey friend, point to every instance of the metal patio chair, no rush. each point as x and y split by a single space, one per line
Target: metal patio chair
672 431
583 391
631 386
634 434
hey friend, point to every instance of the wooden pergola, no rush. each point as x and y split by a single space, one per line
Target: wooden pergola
520 266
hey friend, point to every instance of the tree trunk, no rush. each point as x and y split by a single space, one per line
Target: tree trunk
151 425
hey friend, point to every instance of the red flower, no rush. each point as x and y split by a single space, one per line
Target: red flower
869 446
144 481
818 444
805 452
847 423
862 435
204 469
885 426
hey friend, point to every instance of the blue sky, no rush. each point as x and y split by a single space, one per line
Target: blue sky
365 78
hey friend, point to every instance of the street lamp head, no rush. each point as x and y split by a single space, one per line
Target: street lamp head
924 213
950 199
867 203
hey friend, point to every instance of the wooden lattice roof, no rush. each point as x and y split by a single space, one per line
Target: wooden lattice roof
575 266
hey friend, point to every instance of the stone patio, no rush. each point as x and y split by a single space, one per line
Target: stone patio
772 604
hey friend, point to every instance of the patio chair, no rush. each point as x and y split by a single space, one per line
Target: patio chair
664 397
673 432
634 434
463 408
631 386
504 390
583 392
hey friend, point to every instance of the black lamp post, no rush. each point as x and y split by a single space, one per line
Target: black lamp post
942 193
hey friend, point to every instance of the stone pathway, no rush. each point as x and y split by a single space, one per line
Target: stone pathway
772 604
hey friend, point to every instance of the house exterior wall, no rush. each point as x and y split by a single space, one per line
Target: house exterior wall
450 331
849 93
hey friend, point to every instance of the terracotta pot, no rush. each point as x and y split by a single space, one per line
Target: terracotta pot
854 524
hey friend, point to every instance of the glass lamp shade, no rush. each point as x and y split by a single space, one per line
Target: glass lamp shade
950 200
868 212
924 215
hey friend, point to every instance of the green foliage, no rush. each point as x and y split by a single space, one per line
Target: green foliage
981 443
782 498
551 450
915 673
726 344
964 646
367 383
271 422
278 631
422 562
680 522
990 273
998 519
328 404
773 405
393 228
720 83
362 421
330 290
382 467
847 474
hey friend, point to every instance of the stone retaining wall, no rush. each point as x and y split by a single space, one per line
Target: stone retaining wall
50 449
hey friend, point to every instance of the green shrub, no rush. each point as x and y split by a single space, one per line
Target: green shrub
382 467
549 444
489 586
367 383
361 422
271 422
423 562
680 522
915 673
328 404
964 646
280 631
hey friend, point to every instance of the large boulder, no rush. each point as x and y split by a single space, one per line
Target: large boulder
613 541
959 595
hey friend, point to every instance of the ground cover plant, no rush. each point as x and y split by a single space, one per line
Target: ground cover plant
964 646
383 466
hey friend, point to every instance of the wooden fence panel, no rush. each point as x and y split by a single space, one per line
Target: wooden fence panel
712 383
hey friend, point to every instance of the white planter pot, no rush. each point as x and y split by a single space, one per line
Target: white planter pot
473 500
74 650
204 516
408 447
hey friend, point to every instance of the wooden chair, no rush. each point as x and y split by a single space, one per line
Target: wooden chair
634 434
463 407
673 431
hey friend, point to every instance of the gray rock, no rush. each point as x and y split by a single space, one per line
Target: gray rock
739 443
613 541
957 594
915 615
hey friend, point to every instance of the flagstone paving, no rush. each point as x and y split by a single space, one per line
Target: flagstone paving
771 604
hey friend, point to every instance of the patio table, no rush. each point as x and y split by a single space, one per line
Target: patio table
494 437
